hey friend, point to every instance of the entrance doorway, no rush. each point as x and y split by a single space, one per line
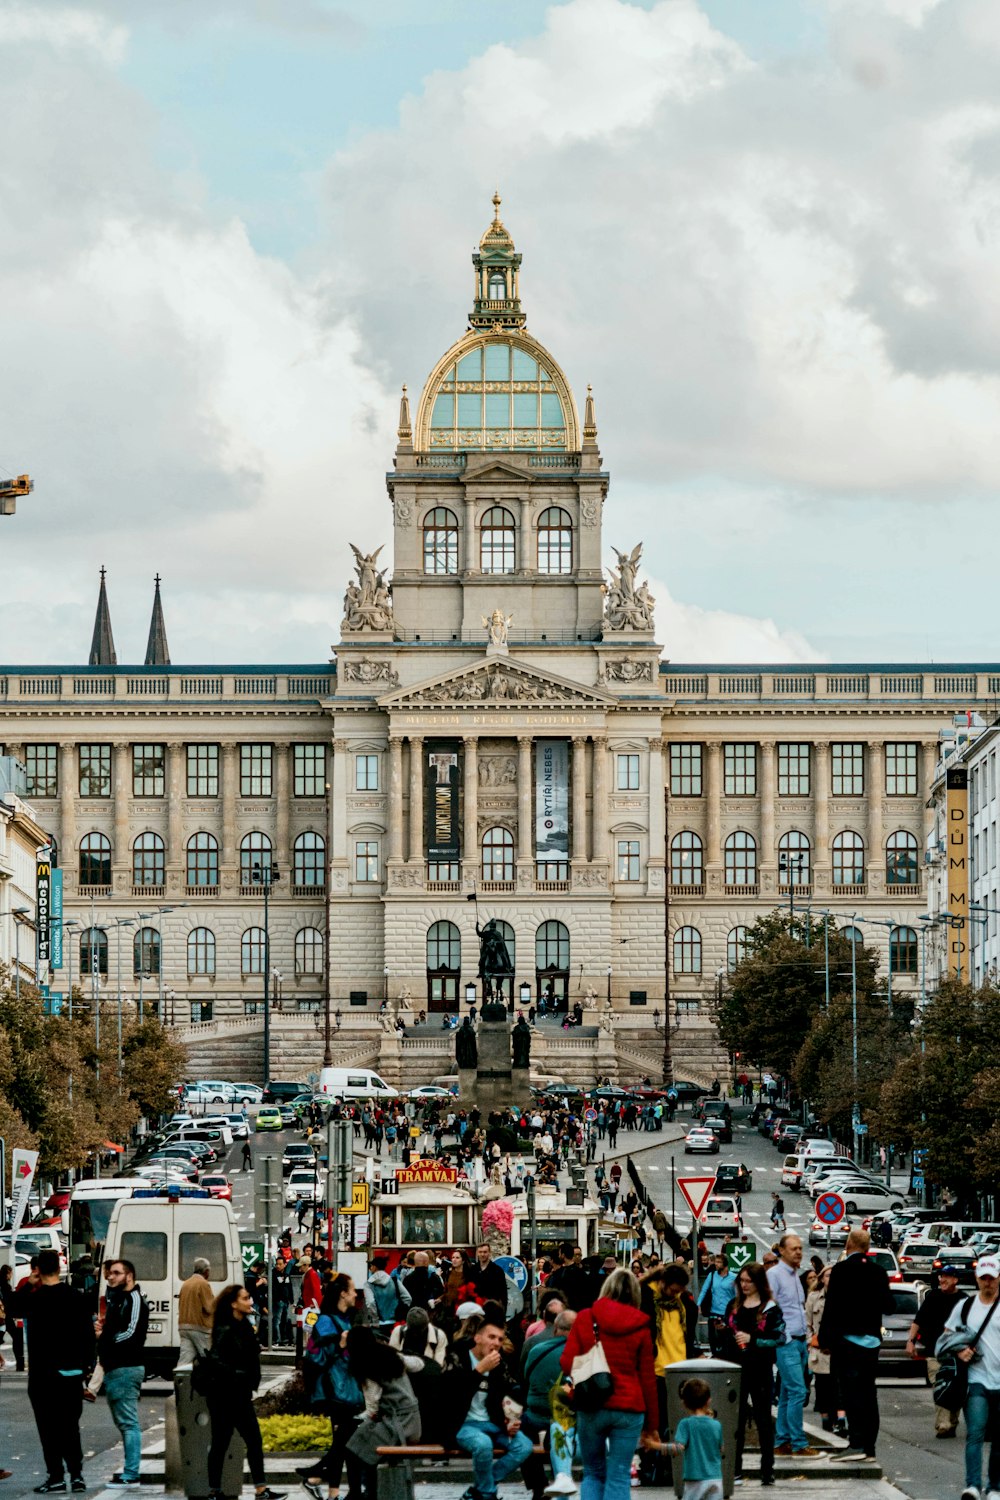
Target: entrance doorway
444 966
552 965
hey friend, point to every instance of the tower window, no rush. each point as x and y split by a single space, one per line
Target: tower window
497 290
440 541
555 541
497 541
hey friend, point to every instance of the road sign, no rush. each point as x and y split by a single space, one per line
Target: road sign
738 1255
252 1253
829 1209
697 1191
359 1199
590 1115
515 1269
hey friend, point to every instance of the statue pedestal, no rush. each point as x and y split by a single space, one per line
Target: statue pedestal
494 1085
467 1085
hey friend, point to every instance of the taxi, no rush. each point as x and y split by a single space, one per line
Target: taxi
269 1118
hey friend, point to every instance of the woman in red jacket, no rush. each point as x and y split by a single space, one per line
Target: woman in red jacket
608 1438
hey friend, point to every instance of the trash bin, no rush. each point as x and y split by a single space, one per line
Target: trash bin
723 1379
194 1433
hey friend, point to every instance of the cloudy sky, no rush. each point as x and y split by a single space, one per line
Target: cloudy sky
767 233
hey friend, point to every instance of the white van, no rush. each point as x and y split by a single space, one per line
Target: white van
162 1233
354 1083
794 1166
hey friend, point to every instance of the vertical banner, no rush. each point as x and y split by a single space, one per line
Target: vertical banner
56 911
957 813
551 801
22 1175
43 912
441 803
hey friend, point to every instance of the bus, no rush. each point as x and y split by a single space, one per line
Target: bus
90 1208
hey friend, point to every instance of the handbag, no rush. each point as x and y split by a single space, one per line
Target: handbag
327 1375
951 1384
591 1376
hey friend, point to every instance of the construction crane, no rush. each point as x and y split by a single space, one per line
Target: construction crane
9 491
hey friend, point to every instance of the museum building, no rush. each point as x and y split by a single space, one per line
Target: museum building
496 737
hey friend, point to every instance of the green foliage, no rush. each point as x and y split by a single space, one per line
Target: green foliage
295 1434
824 1068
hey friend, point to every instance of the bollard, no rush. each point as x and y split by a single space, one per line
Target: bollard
194 1433
723 1379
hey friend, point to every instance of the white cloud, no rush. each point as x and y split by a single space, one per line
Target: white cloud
692 633
63 27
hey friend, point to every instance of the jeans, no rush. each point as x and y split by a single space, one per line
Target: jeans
792 1396
478 1440
607 1441
854 1369
122 1389
982 1410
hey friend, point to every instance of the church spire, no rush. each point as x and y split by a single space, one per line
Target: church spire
102 646
497 303
157 650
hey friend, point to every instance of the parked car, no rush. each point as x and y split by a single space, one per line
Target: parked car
278 1092
248 1093
892 1357
700 1139
789 1137
433 1091
218 1185
684 1090
719 1216
733 1177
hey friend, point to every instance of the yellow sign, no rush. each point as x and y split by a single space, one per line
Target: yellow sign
414 1132
957 845
359 1199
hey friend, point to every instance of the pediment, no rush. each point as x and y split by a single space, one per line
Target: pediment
495 471
498 682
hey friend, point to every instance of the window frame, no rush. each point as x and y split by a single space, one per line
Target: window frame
739 768
309 860
202 769
855 776
739 856
149 857
149 770
560 549
87 755
366 862
363 763
50 759
628 860
253 947
488 549
307 941
848 842
904 939
902 849
553 942
628 772
147 953
687 765
100 857
793 781
256 852
902 752
201 858
687 950
686 842
736 947
304 754
496 853
201 943
440 542
801 873
256 769
86 936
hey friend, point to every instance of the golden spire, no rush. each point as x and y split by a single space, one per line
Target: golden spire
497 200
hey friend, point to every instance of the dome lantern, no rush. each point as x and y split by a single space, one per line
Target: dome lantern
497 304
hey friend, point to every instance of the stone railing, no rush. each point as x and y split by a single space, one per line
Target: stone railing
960 687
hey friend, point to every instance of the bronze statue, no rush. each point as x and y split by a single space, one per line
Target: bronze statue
521 1041
466 1048
494 960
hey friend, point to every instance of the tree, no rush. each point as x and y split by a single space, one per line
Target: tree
824 1069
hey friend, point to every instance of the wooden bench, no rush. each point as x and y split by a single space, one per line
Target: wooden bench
395 1476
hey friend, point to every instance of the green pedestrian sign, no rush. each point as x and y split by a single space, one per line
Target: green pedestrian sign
252 1252
739 1255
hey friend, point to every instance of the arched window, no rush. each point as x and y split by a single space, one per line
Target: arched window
308 951
552 964
555 541
148 860
497 541
736 947
93 952
253 955
687 860
687 951
498 854
202 860
741 859
146 953
95 859
201 951
444 963
853 935
255 859
440 529
309 860
794 857
848 858
901 867
903 951
497 287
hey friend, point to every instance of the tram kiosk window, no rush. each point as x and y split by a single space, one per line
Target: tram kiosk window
423 1226
460 1226
551 1233
387 1226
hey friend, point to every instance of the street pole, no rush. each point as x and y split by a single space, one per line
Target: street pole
327 1050
533 1240
855 1108
17 960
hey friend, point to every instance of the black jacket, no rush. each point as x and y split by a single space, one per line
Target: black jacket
934 1312
235 1359
461 1381
424 1286
857 1297
490 1282
576 1285
59 1328
123 1337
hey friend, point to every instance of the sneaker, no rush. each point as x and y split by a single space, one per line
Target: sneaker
78 1484
852 1456
269 1494
784 1451
119 1482
563 1484
58 1487
971 1492
992 1494
805 1452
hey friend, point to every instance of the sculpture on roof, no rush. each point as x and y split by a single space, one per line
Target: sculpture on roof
496 627
625 606
368 602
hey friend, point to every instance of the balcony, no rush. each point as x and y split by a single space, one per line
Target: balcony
306 891
695 891
498 887
149 892
742 890
201 891
839 891
552 877
95 892
801 892
445 878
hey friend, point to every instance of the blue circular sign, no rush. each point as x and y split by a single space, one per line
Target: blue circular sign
829 1208
515 1269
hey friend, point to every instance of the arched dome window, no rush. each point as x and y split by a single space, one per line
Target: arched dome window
497 288
499 395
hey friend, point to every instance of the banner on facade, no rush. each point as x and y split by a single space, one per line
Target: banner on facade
442 825
551 801
56 924
43 912
957 813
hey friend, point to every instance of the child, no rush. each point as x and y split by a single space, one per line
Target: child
699 1439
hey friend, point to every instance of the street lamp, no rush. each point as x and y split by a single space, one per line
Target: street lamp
609 987
790 865
266 875
525 995
470 993
18 913
121 922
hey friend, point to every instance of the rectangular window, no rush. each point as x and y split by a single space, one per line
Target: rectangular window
309 777
203 770
255 770
423 1226
793 770
628 773
848 769
42 762
366 859
901 770
740 770
366 773
685 771
993 773
148 770
628 859
95 770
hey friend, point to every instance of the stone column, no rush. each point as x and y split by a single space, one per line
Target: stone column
929 759
821 814
229 863
338 855
525 855
121 871
768 853
395 808
599 807
282 788
416 850
713 808
471 560
69 790
657 810
876 791
470 794
579 801
525 561
175 790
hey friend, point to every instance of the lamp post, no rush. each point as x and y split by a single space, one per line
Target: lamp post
18 913
121 922
385 984
791 863
525 996
609 987
266 875
161 912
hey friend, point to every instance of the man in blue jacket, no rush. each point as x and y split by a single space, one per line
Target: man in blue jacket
716 1295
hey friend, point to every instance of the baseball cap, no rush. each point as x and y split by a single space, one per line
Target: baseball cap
948 1271
988 1265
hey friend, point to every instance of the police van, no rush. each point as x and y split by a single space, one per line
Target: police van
163 1232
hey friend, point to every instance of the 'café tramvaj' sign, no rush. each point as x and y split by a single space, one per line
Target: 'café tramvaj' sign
427 1172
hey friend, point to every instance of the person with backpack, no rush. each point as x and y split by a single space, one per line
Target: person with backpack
331 1389
973 1319
385 1300
121 1340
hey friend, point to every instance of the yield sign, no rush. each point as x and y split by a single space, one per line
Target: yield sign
829 1208
697 1191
